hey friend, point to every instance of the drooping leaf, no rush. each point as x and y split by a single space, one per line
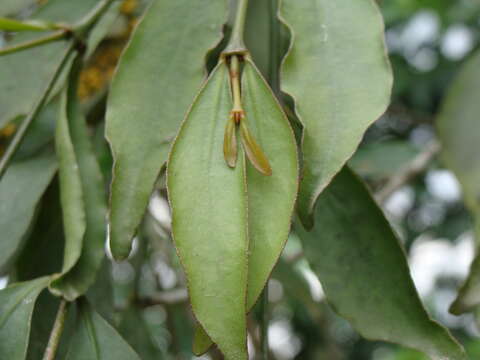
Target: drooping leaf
137 334
458 132
271 199
25 74
17 302
20 191
156 81
364 271
7 24
42 254
340 79
209 221
95 339
382 159
82 196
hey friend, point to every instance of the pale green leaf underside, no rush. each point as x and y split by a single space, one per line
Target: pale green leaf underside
17 302
157 79
338 73
270 198
364 271
84 208
209 220
95 339
20 191
458 125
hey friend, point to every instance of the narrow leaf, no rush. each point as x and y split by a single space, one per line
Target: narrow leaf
28 25
458 132
95 339
209 221
338 73
20 191
82 195
17 302
364 271
230 143
157 78
271 199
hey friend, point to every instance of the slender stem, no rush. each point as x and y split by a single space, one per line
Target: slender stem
92 17
236 45
237 110
58 35
56 332
22 129
264 325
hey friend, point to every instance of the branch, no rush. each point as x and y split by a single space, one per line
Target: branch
56 332
169 297
416 167
56 36
25 124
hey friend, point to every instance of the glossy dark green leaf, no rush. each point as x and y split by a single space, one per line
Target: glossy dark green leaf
7 24
17 302
25 74
20 191
271 199
457 127
338 73
364 272
209 221
95 339
82 196
157 79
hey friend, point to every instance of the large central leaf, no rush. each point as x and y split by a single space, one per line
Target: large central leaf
339 75
209 217
157 79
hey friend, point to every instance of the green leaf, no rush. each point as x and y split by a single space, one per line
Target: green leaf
82 197
457 127
28 25
20 191
137 333
43 251
383 159
209 221
95 339
17 302
338 73
157 79
364 272
271 199
25 74
11 7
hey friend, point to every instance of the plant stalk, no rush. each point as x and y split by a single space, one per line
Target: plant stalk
236 45
56 36
237 110
56 332
85 24
25 124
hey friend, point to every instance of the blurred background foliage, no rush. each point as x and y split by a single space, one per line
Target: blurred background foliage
428 41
